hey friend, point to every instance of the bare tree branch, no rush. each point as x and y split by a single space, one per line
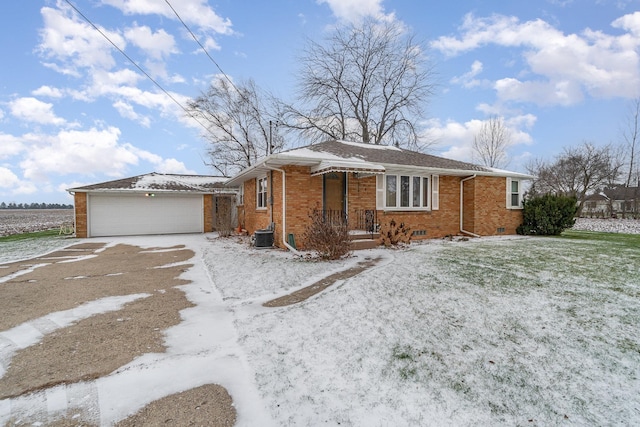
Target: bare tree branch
239 121
491 142
630 135
577 171
366 83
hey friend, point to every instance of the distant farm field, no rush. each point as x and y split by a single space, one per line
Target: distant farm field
30 220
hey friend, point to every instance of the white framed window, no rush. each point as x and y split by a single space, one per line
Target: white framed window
514 194
261 193
407 192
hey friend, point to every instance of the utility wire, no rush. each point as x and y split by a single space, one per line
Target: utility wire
203 48
189 113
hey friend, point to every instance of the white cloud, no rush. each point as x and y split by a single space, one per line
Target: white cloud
87 152
173 166
32 110
75 44
354 10
629 23
195 12
565 92
455 139
126 110
9 180
564 66
158 45
9 146
162 165
48 91
468 79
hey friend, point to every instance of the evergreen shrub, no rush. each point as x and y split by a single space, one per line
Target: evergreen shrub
548 215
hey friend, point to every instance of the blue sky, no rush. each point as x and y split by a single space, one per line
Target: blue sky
74 111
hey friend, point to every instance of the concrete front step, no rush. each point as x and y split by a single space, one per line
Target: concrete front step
359 244
363 235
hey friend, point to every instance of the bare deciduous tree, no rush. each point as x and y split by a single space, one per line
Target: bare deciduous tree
368 82
576 172
239 120
491 142
630 135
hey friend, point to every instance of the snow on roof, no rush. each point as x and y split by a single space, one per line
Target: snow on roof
160 182
369 146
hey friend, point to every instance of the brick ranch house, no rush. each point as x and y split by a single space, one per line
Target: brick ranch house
153 203
365 183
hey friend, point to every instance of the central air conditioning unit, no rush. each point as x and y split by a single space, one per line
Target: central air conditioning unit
263 238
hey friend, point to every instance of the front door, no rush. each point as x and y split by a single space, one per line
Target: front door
335 184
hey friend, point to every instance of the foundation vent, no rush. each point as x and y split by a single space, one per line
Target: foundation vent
419 233
500 230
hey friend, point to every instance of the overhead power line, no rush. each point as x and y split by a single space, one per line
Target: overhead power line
95 27
203 48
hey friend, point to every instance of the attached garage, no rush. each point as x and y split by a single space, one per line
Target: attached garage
149 204
123 215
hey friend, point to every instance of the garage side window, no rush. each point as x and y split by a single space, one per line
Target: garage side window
261 190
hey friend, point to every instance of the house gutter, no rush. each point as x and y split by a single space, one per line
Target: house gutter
284 208
462 230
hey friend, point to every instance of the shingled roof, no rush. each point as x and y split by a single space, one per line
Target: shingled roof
348 156
160 182
383 154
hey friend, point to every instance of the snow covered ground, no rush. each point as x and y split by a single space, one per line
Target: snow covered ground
16 221
491 331
29 248
628 226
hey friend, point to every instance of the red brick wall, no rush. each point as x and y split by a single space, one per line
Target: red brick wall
80 202
437 223
361 194
254 219
491 212
484 205
304 194
208 212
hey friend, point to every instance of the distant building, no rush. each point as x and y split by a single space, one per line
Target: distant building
613 202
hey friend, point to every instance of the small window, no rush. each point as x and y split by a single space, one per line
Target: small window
425 192
404 191
416 191
261 190
391 188
514 193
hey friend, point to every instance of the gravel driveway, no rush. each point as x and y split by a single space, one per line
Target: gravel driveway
80 327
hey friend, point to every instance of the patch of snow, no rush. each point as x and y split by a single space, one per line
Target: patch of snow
626 226
370 146
495 331
21 272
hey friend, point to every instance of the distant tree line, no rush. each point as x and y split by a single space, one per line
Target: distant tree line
13 205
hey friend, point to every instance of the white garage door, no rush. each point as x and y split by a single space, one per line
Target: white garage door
125 215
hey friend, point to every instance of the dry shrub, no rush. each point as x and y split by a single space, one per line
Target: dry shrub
329 240
394 234
223 216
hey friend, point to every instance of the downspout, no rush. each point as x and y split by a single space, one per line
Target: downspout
462 230
284 209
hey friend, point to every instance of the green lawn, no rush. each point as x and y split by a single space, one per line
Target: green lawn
35 235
